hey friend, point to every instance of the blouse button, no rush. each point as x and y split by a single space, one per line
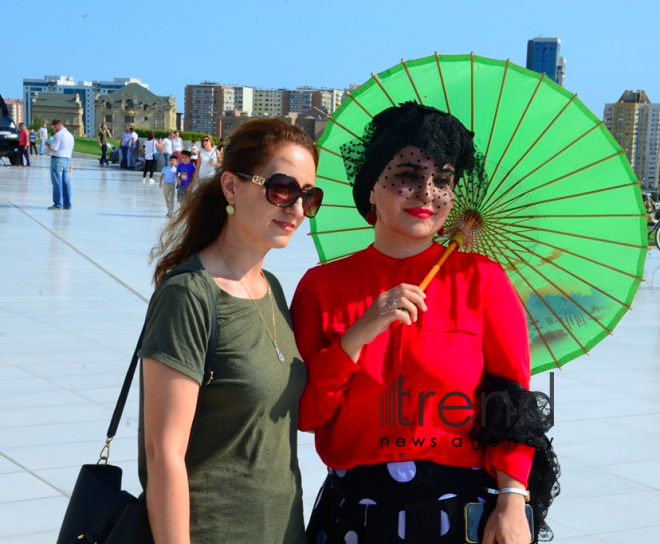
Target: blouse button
400 263
401 455
406 418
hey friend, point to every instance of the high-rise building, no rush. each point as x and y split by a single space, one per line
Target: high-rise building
202 104
544 57
634 122
268 103
207 101
86 90
304 98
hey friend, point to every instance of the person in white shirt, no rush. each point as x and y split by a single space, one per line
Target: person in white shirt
194 151
166 147
150 152
61 149
208 161
132 147
125 143
43 136
177 146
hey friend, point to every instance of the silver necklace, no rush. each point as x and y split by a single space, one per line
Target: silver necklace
273 337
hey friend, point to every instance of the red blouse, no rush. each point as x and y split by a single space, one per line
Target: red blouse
369 412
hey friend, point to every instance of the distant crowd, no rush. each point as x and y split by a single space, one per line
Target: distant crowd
27 140
183 168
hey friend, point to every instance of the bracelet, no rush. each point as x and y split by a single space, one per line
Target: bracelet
516 490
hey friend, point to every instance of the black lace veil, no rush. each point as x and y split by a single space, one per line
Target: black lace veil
440 134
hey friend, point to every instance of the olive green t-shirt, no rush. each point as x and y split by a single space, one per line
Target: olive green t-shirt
242 466
103 136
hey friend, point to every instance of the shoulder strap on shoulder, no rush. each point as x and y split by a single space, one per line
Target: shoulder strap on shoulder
123 395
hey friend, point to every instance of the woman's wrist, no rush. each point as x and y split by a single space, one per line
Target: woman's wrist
351 344
510 499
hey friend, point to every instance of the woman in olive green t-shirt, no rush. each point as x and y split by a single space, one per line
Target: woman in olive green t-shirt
236 479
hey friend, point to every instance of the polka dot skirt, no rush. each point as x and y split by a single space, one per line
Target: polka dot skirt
417 502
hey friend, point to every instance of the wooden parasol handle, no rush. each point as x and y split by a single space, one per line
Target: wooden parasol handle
457 240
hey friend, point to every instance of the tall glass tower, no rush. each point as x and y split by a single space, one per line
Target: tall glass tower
543 56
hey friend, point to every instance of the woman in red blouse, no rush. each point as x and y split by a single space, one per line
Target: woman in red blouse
395 374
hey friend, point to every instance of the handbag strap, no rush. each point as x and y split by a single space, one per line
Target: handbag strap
210 351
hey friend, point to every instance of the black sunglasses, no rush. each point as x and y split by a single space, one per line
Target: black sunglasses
283 191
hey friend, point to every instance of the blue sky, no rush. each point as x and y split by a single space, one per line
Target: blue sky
609 45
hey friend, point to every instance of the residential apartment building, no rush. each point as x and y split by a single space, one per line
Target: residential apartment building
634 122
268 103
217 109
86 91
16 109
201 106
312 122
207 101
544 57
303 99
134 105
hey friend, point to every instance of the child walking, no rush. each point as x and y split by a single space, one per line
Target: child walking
168 183
185 173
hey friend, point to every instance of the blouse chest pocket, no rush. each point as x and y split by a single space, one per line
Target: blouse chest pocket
463 325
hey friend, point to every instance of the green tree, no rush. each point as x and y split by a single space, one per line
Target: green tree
37 121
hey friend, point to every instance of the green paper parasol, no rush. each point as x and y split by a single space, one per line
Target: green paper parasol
560 208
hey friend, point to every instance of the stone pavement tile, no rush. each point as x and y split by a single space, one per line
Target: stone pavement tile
7 466
646 424
96 359
73 454
21 486
305 438
108 395
26 386
313 471
12 372
561 530
613 376
631 406
44 399
112 380
47 537
645 389
55 414
611 450
633 536
643 472
582 483
609 513
34 516
308 506
62 433
567 463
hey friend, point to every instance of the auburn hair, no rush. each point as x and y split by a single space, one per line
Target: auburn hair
203 214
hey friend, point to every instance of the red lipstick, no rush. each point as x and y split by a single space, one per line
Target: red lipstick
421 213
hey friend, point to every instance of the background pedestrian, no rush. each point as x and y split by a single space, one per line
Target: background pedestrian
23 139
61 149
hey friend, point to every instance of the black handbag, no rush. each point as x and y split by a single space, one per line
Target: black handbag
99 512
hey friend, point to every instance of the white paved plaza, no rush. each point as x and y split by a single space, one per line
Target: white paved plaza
73 292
